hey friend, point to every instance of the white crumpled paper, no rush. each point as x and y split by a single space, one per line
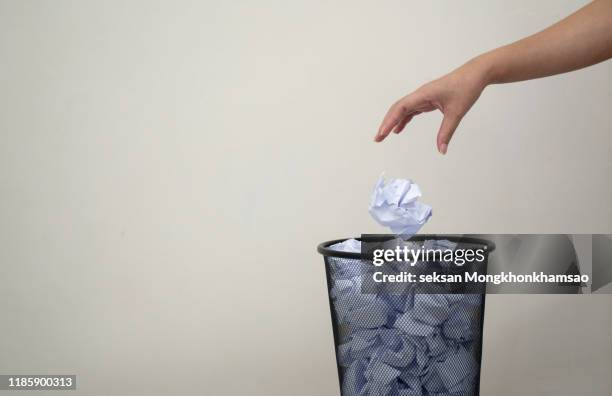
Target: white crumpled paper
396 205
349 245
413 344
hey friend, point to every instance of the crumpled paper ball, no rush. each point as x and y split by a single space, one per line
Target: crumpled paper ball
396 205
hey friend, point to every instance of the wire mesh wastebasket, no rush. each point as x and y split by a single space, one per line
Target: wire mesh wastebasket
403 343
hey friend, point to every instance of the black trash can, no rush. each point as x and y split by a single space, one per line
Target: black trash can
406 343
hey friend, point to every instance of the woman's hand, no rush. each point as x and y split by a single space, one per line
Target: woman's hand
580 40
453 94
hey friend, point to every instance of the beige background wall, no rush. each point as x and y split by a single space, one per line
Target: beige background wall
167 168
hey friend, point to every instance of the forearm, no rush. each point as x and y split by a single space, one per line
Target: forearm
580 40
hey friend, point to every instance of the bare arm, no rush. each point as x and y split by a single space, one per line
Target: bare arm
580 40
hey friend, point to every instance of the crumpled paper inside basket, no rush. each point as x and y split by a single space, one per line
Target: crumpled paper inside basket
413 344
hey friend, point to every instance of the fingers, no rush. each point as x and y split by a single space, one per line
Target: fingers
402 124
447 129
393 117
398 116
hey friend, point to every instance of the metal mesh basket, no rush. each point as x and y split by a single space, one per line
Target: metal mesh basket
403 343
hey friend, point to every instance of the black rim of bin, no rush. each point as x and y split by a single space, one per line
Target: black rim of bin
325 249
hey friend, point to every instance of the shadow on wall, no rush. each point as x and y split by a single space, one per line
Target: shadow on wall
602 261
552 254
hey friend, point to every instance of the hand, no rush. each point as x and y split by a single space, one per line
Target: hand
453 94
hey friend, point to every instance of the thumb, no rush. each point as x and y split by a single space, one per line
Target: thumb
447 129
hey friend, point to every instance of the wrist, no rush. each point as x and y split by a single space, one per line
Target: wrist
483 67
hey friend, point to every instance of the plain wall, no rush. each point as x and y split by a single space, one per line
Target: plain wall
167 169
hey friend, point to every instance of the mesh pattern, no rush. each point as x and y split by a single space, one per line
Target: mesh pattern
407 344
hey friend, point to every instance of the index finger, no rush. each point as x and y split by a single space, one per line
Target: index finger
405 106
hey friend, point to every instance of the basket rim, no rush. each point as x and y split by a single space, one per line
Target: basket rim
324 247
